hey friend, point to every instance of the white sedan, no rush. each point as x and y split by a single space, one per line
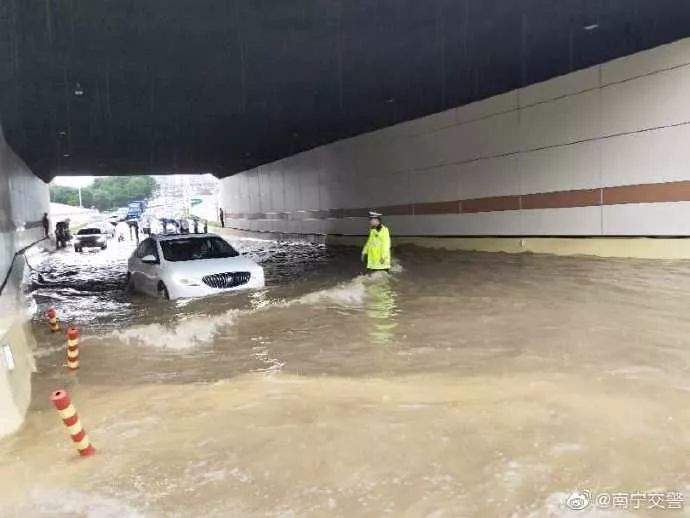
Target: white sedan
190 265
90 237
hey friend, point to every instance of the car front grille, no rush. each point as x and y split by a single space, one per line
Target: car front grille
227 279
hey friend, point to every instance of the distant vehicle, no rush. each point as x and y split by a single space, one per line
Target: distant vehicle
90 237
135 209
192 265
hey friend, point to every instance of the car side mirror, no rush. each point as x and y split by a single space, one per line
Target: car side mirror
149 259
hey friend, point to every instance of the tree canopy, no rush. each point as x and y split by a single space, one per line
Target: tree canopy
106 193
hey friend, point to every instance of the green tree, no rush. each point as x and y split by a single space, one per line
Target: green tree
65 195
107 193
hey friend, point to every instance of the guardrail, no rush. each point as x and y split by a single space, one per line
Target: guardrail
14 258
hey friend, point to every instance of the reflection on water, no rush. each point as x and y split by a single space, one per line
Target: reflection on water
381 309
462 384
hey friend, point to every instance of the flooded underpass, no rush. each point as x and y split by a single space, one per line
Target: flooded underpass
462 384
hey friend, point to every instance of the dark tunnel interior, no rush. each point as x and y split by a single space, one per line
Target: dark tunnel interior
132 86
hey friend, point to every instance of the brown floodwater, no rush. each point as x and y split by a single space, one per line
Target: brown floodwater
462 384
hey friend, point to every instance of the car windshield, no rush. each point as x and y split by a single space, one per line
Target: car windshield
194 248
87 231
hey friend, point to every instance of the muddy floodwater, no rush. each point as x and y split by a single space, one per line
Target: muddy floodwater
462 384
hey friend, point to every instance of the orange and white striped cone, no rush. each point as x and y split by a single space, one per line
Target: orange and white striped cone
53 320
63 404
72 348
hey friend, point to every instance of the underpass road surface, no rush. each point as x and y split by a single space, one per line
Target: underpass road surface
462 384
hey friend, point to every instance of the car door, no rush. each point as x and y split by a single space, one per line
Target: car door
136 267
150 272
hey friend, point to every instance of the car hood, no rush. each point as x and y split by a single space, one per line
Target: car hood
203 267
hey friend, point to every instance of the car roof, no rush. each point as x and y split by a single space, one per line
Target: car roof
174 237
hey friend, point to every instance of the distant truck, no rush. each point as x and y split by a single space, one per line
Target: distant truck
135 209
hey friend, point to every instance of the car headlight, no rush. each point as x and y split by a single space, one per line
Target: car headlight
101 239
186 282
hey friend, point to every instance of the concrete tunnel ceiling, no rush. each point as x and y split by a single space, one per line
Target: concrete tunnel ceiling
164 86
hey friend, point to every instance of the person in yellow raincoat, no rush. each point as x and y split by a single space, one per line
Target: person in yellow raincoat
376 253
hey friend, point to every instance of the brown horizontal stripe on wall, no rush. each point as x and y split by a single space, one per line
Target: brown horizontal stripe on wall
562 199
643 193
354 213
396 210
439 207
647 193
277 215
311 214
492 204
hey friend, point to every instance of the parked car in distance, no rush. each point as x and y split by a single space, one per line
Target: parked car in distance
108 229
190 265
90 237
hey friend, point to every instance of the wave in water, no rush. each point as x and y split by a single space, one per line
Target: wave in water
200 330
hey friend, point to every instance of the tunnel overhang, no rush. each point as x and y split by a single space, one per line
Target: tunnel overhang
170 86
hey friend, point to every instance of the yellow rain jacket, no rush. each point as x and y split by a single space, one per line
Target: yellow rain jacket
378 249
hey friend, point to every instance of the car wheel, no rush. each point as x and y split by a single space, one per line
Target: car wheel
163 292
104 247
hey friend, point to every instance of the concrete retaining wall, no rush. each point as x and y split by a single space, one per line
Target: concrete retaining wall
598 152
23 200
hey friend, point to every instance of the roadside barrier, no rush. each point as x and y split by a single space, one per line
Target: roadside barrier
53 320
72 348
63 405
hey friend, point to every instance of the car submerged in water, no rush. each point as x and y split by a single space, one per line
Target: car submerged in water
190 265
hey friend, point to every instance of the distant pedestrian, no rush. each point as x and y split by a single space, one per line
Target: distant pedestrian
146 224
196 226
134 229
46 224
205 226
222 218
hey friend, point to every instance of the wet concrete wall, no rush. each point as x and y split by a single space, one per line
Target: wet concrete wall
599 152
23 200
